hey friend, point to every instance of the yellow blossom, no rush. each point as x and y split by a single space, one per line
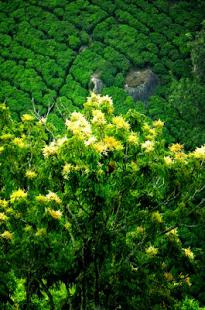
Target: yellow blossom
112 144
42 120
158 124
176 147
168 160
50 150
20 142
156 216
67 226
140 229
173 233
27 117
120 123
9 210
188 252
4 203
59 142
28 228
199 153
100 147
3 107
30 174
1 149
106 104
78 125
148 146
18 195
41 232
53 197
152 132
90 141
7 235
6 136
168 276
98 118
93 101
67 169
3 216
41 199
133 138
146 127
180 156
151 250
133 165
108 144
55 214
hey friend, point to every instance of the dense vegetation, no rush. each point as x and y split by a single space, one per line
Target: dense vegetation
102 210
101 201
50 49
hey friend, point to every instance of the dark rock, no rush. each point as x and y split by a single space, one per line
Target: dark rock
96 85
140 84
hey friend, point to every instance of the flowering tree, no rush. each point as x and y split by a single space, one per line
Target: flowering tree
103 209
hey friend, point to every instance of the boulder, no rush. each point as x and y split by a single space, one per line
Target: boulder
141 84
96 85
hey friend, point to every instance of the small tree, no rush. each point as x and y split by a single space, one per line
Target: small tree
105 209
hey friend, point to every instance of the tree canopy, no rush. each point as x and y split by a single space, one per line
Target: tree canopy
103 215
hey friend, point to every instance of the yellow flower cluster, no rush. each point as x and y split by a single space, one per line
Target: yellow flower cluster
133 139
41 199
99 102
55 214
98 118
199 153
7 235
67 226
148 146
92 102
158 124
120 123
140 230
53 147
6 136
168 276
106 104
42 121
78 125
156 216
90 141
30 174
188 252
108 144
48 198
4 203
168 160
1 149
176 148
151 250
18 195
3 216
50 150
67 169
53 197
27 117
28 228
3 107
41 232
20 142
